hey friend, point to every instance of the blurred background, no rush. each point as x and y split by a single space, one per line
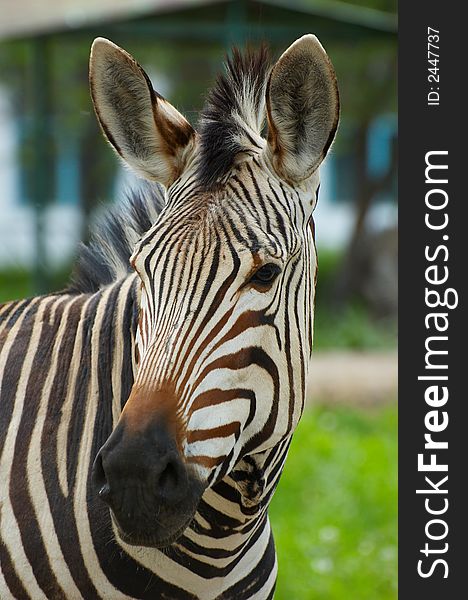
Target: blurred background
334 515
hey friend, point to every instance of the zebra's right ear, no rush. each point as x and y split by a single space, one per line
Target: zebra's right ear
149 134
303 108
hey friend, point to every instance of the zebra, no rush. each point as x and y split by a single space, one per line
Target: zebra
147 409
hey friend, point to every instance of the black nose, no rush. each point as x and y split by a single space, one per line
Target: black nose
144 480
164 475
138 464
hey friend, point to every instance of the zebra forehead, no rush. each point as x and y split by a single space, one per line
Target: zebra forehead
210 224
233 117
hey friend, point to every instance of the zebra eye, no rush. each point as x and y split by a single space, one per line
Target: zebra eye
265 275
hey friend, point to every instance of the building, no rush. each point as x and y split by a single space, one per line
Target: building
47 154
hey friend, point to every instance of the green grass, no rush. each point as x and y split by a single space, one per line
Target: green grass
334 514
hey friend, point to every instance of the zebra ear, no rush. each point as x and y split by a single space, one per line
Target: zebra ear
150 135
302 109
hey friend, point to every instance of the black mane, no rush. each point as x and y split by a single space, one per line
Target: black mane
106 258
232 119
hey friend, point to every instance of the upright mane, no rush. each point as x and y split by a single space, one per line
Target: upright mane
230 124
106 257
233 117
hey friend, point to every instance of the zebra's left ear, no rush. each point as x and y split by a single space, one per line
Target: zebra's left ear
303 108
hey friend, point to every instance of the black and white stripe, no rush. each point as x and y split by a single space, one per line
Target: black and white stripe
182 382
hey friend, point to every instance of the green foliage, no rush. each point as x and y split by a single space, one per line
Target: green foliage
334 515
350 326
366 73
17 283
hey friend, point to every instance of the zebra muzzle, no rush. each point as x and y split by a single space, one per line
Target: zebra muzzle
141 476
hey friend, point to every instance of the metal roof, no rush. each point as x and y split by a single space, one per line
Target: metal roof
24 18
28 17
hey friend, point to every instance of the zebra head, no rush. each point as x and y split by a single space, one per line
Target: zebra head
227 276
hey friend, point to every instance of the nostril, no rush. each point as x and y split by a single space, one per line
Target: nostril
168 478
99 478
171 480
104 492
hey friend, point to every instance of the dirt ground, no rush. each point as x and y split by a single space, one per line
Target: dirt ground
354 378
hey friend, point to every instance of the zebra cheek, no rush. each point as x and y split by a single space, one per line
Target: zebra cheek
215 432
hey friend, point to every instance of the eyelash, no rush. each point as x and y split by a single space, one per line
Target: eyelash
265 275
